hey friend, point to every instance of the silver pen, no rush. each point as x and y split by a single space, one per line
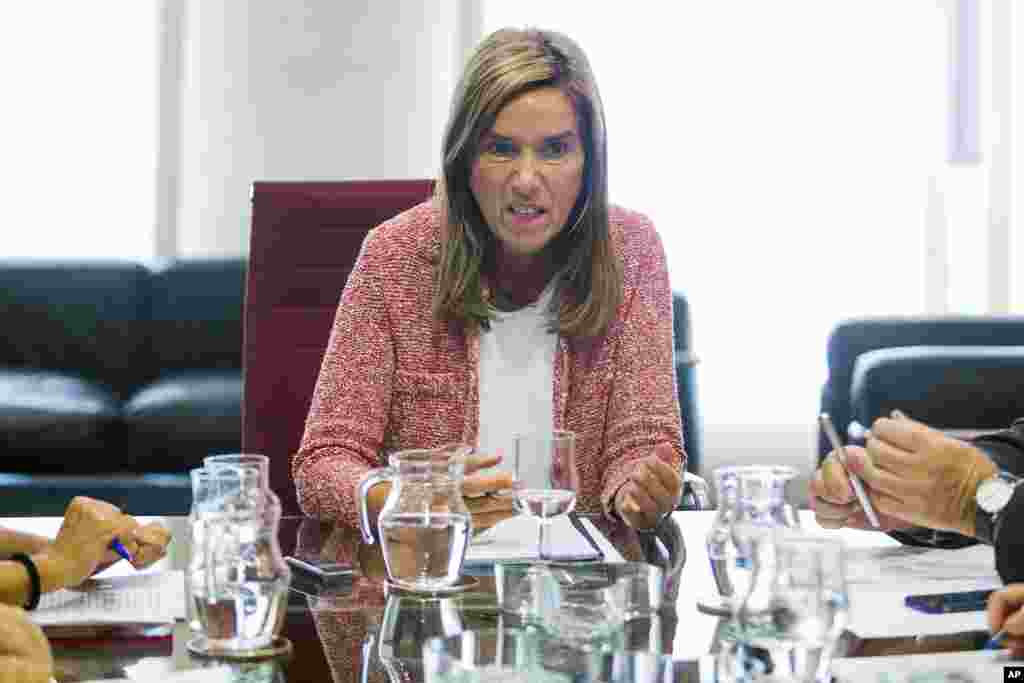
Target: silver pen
858 486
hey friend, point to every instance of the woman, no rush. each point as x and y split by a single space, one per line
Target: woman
516 300
38 565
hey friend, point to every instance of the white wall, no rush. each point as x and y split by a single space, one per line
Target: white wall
318 90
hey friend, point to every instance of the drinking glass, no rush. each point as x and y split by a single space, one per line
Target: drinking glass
500 655
797 605
582 606
545 479
754 495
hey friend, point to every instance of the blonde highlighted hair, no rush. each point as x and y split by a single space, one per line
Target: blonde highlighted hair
507 64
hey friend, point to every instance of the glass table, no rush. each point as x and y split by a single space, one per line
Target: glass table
359 631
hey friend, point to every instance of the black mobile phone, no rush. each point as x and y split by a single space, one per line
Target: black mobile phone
323 570
941 603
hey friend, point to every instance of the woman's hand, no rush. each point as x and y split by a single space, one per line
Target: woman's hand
25 655
651 491
1004 612
83 543
479 489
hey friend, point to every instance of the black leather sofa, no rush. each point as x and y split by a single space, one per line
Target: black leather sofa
962 374
116 378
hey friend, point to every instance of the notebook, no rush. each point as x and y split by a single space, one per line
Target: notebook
514 539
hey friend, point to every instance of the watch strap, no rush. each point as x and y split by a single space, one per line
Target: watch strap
984 526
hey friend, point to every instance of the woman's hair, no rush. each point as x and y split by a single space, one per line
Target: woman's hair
507 64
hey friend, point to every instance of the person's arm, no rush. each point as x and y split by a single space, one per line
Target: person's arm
1005 448
348 414
12 541
644 432
25 655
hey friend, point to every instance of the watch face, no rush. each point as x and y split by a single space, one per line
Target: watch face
993 494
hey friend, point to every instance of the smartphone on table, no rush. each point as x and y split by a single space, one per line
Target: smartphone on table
943 603
321 570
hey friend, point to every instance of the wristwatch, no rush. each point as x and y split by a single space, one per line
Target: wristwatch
991 498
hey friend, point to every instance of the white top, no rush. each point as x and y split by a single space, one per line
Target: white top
517 375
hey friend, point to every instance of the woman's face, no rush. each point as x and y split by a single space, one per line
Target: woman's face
529 171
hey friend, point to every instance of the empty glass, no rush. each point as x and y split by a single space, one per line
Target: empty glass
797 605
643 593
755 495
424 524
582 606
501 655
545 479
408 621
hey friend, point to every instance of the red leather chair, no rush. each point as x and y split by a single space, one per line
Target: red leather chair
305 239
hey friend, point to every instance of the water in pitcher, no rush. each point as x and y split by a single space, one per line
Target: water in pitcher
424 551
241 616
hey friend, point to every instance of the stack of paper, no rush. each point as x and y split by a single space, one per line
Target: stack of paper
516 539
151 598
946 667
879 579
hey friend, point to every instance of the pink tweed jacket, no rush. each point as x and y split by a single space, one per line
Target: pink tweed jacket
394 377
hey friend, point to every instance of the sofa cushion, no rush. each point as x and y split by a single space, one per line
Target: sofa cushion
86 319
197 315
188 415
42 410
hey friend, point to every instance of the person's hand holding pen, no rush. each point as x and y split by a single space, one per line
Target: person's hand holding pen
913 474
84 543
1006 618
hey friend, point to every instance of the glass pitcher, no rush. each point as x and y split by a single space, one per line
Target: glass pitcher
755 495
424 525
241 598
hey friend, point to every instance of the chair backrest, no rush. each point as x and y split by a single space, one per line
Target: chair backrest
305 239
855 338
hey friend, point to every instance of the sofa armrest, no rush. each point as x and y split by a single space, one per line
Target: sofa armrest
964 389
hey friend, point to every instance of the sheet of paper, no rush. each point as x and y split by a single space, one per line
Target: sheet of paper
914 565
877 610
516 539
946 667
881 572
151 598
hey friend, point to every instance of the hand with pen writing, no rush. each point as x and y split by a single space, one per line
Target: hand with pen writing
83 545
913 474
1006 617
25 655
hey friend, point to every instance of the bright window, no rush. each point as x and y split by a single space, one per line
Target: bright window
78 131
793 156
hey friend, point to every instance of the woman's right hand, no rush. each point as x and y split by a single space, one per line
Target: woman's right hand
1004 612
83 542
25 655
484 491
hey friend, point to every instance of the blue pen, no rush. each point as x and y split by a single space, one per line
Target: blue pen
996 641
118 548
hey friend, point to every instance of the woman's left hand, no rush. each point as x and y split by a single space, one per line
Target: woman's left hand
652 490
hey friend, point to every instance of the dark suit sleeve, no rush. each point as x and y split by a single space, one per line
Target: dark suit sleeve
1006 448
1010 540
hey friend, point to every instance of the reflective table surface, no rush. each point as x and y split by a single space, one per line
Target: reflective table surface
359 629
